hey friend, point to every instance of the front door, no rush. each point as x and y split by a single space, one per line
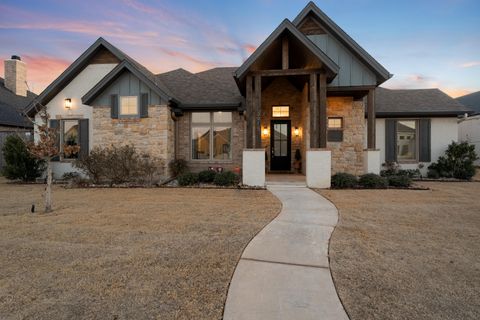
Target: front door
280 145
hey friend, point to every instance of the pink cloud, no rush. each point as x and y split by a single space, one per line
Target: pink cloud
456 92
470 64
42 70
250 48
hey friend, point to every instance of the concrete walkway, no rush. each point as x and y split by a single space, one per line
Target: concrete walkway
284 271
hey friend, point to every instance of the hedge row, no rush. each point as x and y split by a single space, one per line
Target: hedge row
369 181
226 178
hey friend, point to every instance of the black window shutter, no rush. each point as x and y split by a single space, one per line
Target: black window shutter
390 140
424 140
83 136
335 135
144 105
114 106
55 124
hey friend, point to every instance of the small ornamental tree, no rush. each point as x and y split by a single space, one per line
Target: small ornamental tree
45 148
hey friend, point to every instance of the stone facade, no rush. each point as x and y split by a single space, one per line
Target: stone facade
184 144
153 135
347 156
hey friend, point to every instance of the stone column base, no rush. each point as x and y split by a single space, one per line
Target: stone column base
319 168
253 168
371 161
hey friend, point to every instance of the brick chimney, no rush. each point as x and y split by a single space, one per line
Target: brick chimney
16 76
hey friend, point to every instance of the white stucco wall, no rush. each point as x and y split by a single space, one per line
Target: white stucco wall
77 88
469 131
444 131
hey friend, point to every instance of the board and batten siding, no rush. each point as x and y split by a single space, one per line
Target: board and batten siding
352 72
127 85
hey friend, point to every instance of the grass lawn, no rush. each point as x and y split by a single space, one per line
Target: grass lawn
124 253
399 254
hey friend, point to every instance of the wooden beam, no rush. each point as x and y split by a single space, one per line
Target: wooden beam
250 115
313 111
285 58
371 125
322 97
288 72
257 106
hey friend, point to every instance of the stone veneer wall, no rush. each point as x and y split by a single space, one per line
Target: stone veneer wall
153 135
347 156
184 144
282 93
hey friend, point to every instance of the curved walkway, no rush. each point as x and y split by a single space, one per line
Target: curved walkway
284 271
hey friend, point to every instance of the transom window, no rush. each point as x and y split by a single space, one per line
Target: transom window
407 140
335 129
128 105
335 123
280 111
69 139
211 135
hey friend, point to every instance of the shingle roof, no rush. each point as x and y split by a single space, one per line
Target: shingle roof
471 101
209 88
416 102
11 106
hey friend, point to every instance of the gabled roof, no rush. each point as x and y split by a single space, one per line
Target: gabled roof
416 102
11 106
78 65
471 101
125 65
344 38
330 66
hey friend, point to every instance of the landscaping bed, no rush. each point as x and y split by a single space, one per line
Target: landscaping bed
124 253
402 254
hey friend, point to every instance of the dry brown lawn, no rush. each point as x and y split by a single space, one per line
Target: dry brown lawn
399 254
124 253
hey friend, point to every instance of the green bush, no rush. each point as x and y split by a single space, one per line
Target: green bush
19 163
187 179
372 181
226 178
178 166
206 176
433 174
400 181
344 180
457 162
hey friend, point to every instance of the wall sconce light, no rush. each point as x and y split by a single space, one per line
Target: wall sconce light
265 131
296 131
68 103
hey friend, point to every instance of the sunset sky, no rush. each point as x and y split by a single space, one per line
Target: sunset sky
424 43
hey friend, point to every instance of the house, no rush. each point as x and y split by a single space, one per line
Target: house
469 126
14 97
308 86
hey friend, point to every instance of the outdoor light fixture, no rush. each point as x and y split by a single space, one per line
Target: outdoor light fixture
265 131
296 131
68 103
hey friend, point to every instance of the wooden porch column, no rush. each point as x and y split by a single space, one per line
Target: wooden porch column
257 110
250 115
322 97
314 112
285 58
371 125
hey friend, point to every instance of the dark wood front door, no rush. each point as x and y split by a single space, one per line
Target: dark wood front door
280 145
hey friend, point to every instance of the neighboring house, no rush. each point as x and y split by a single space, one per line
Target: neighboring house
308 86
469 126
14 97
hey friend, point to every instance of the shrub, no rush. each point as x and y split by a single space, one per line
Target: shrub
149 168
19 163
393 169
206 176
343 181
433 174
177 167
400 181
226 178
94 164
187 179
372 181
457 161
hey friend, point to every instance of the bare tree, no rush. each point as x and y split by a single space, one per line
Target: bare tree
46 147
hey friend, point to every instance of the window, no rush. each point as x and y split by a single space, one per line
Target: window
211 135
335 129
69 139
280 111
407 140
128 106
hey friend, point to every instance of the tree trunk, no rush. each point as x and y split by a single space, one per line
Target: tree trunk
48 189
